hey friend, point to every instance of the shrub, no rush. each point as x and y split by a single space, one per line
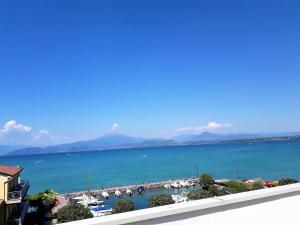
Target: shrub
160 199
123 206
258 184
275 183
206 180
43 201
236 186
48 199
199 194
73 212
285 181
216 190
35 201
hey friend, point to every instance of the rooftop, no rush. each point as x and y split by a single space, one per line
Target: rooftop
9 170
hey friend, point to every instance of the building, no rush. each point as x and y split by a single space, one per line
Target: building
13 206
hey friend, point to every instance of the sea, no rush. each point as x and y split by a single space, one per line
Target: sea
71 172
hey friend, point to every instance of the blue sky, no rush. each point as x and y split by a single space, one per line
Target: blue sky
71 69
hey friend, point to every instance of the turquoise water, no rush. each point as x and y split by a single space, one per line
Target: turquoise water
72 172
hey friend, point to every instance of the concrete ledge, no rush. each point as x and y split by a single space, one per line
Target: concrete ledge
198 207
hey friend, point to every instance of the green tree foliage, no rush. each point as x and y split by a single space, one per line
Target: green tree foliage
43 201
73 212
199 194
123 206
258 184
217 190
236 186
206 180
285 181
160 199
48 199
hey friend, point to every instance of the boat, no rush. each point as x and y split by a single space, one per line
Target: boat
141 189
129 192
105 195
101 210
118 193
167 186
184 184
175 185
86 200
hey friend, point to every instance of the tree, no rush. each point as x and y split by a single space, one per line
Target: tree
48 199
123 206
43 201
73 212
160 199
206 180
258 184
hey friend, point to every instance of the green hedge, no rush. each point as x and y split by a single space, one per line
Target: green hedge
123 206
236 186
258 184
160 199
72 212
199 194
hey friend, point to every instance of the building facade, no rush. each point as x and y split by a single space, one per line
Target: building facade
13 205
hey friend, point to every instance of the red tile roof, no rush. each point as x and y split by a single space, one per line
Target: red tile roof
9 170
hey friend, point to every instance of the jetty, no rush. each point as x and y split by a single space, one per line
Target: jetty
134 188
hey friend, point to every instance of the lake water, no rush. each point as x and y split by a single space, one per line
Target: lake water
73 172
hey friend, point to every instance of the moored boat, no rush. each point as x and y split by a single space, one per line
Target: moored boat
129 192
105 195
118 193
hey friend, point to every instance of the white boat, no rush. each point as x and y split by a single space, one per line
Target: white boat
179 198
167 186
118 193
105 194
101 210
128 192
175 185
87 200
184 183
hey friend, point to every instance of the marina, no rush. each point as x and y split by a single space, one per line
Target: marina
104 199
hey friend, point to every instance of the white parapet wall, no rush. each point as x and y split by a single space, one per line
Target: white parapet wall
276 206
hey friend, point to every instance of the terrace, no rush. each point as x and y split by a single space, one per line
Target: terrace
18 192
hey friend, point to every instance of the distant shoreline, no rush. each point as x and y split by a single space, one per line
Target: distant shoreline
196 143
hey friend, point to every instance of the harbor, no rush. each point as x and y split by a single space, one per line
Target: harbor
100 201
177 183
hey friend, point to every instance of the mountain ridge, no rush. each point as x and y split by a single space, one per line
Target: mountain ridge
120 141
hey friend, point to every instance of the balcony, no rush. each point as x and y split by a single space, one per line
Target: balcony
17 194
17 217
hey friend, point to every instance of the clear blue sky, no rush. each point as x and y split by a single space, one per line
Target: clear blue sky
75 67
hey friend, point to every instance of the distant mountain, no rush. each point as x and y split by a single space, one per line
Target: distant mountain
106 141
120 141
4 149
